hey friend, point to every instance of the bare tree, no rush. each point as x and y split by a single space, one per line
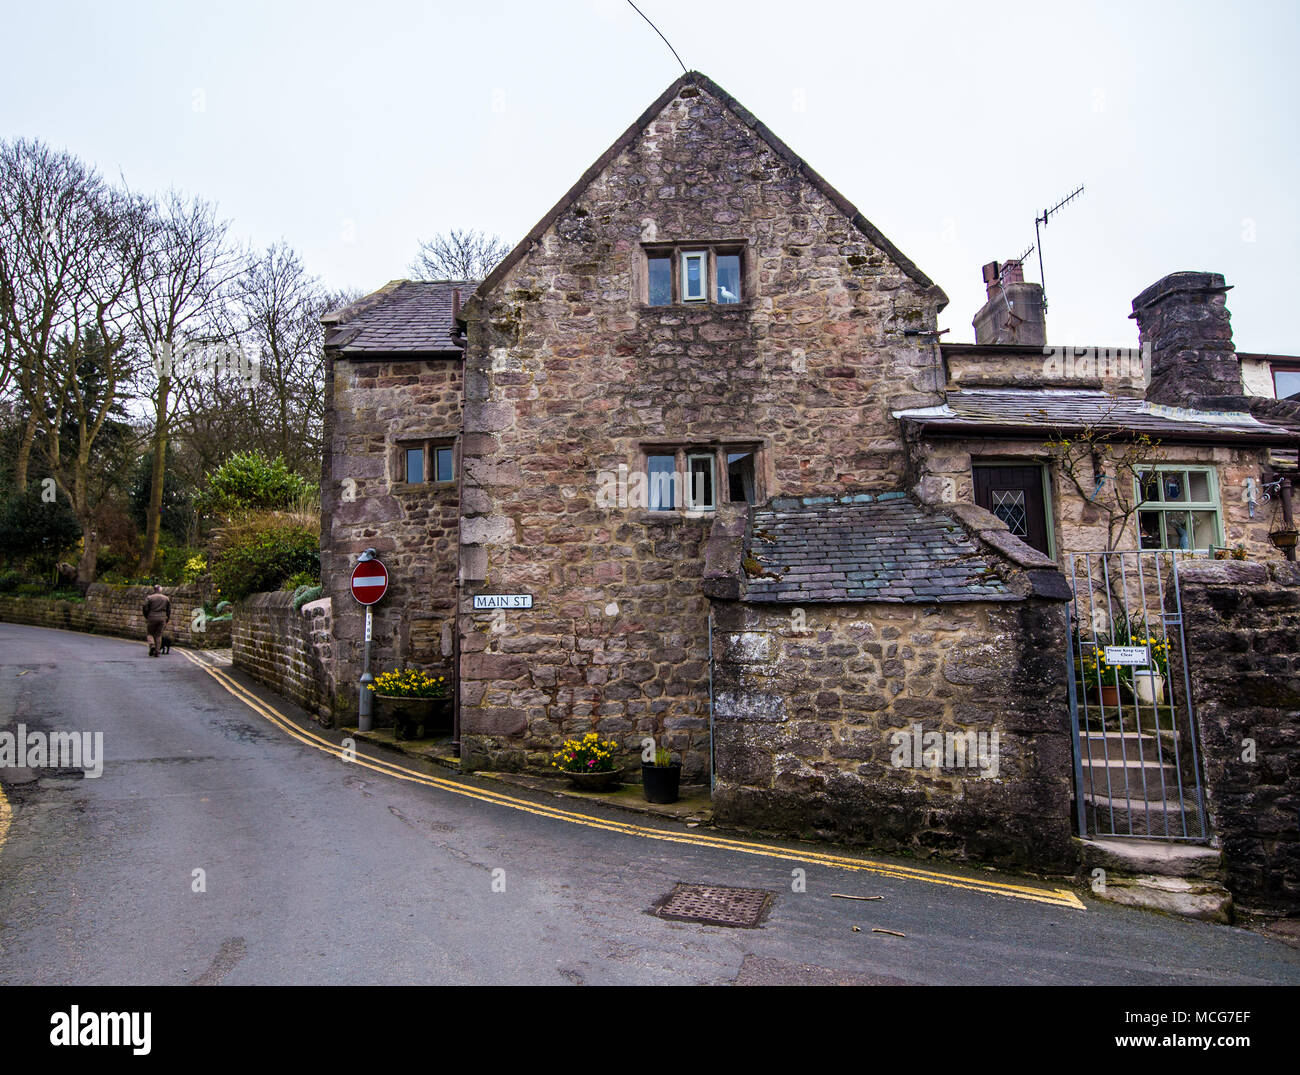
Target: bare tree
70 248
188 260
272 316
1104 467
458 255
48 201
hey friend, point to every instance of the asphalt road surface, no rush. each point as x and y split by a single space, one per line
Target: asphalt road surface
318 870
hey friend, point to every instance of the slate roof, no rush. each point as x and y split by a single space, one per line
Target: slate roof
1053 409
867 548
407 316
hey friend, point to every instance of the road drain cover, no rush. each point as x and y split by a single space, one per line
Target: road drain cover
715 905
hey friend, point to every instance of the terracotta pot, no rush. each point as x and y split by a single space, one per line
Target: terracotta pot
1109 694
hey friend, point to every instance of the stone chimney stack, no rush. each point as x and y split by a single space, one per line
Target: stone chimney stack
1014 311
1184 320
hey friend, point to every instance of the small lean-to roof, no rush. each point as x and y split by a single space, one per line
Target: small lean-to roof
866 547
1039 412
407 317
743 114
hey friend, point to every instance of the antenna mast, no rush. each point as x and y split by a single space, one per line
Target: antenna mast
1042 220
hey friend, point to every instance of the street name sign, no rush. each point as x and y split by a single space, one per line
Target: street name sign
502 600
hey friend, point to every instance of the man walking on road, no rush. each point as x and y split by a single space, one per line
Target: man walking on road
157 614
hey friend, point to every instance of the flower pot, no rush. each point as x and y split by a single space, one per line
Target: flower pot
1150 687
414 718
1109 694
595 781
661 782
1284 539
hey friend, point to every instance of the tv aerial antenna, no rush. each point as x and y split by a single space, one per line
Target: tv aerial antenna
1041 221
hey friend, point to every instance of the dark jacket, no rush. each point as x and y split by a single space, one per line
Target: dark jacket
157 606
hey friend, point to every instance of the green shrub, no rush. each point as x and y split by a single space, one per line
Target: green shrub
300 581
304 594
259 553
35 529
171 563
249 481
10 580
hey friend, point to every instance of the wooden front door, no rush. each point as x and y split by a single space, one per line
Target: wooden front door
1015 495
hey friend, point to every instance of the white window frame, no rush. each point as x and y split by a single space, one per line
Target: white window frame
702 257
689 492
1162 506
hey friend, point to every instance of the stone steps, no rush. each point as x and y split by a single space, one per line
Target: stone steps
1174 877
1146 781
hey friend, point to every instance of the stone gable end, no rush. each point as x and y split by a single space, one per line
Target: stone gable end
570 375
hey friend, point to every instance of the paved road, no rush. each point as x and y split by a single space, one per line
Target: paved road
320 871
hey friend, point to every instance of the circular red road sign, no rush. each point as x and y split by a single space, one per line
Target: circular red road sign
369 581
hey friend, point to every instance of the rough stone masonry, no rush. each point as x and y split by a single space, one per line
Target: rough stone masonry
571 373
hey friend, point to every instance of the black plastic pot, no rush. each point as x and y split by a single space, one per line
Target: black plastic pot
660 782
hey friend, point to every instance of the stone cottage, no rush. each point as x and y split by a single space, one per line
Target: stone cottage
701 418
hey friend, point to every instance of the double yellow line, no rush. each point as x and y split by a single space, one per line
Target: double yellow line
6 818
1058 897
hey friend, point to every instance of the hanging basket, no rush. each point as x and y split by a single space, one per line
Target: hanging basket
1284 539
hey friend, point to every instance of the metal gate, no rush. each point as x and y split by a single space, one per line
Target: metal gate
1136 763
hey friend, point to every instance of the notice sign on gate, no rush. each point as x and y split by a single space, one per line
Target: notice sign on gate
1136 656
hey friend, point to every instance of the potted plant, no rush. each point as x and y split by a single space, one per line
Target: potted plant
1098 676
661 779
414 700
588 762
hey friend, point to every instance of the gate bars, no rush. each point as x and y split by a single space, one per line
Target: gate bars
1136 763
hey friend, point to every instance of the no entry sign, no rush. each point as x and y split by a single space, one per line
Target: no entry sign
369 581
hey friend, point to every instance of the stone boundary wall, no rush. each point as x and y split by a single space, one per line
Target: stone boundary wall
115 610
1242 623
805 725
289 650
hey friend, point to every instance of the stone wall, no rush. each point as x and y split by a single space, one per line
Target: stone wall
944 473
375 406
115 610
812 713
570 374
288 649
1242 622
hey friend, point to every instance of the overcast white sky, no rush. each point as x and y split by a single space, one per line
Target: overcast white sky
354 129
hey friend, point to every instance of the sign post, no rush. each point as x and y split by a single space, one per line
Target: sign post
369 584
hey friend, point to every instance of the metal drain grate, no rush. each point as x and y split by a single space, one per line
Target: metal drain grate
715 905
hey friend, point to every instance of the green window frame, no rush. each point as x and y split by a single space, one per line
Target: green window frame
1178 508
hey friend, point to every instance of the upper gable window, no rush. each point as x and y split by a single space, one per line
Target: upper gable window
421 459
690 273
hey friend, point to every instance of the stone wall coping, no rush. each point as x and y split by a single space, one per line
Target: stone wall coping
269 599
1225 572
972 516
1015 550
142 589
